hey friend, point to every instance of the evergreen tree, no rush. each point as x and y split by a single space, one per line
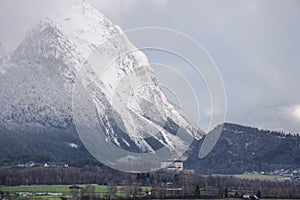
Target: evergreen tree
226 192
258 194
197 191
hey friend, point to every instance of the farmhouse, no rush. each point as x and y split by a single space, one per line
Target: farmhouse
29 164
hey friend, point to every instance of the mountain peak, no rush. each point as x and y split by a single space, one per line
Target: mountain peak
77 29
84 26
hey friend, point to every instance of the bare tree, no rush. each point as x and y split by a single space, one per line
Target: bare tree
112 190
88 193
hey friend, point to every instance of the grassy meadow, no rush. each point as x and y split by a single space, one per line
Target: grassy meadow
258 176
100 190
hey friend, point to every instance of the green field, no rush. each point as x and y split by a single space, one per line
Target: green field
100 190
40 188
258 176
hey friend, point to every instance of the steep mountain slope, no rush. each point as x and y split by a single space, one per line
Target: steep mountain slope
39 78
241 149
60 145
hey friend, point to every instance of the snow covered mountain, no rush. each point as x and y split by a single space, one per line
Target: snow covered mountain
36 84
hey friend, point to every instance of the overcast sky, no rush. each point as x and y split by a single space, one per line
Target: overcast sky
255 44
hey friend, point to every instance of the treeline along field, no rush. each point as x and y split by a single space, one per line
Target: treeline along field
161 184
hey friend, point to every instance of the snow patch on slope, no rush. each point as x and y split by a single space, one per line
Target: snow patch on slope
72 145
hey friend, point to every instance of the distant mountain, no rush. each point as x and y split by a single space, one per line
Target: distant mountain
242 149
